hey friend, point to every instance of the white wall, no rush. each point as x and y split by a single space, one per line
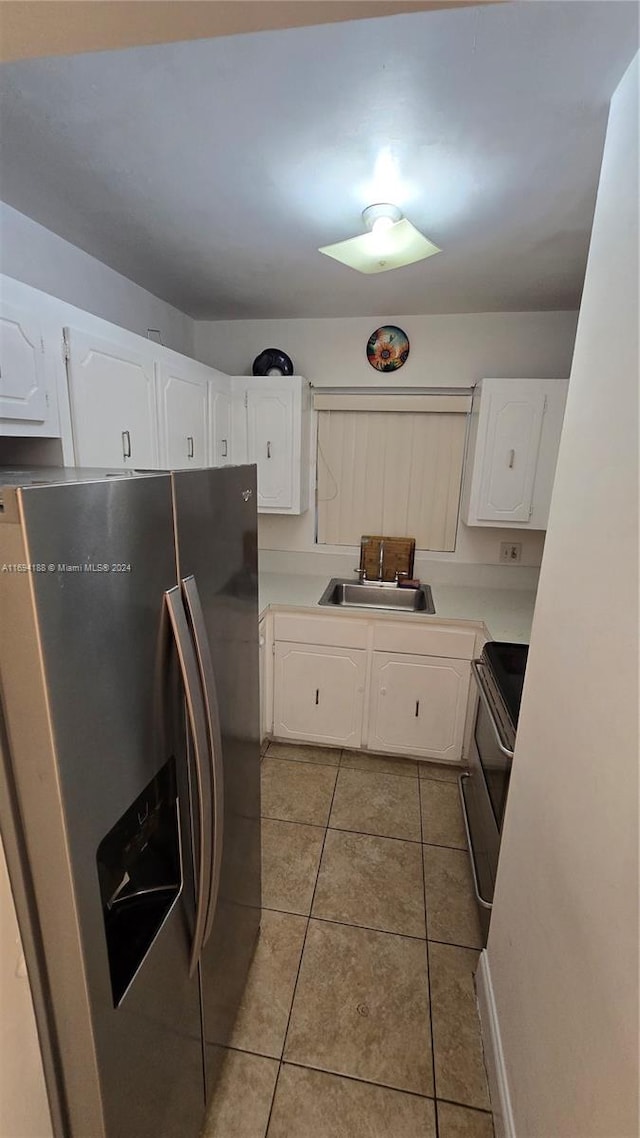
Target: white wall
35 255
446 351
563 943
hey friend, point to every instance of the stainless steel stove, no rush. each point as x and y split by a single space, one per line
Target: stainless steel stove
499 676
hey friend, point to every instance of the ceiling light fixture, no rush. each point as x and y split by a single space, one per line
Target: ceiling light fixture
391 242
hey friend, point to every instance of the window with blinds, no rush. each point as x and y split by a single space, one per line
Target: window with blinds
397 472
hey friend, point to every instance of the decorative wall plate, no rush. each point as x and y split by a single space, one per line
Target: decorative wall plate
272 361
388 348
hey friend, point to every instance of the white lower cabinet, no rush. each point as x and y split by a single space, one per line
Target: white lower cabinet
266 678
418 705
386 686
319 693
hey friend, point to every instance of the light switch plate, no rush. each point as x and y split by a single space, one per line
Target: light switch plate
510 552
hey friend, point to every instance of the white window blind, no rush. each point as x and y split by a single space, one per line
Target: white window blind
392 472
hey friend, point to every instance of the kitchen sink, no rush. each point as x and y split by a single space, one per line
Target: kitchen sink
368 595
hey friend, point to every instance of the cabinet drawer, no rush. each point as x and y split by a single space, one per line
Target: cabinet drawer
340 632
425 640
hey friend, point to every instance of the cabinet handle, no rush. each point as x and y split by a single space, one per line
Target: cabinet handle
223 448
189 446
512 458
268 450
317 696
126 444
417 708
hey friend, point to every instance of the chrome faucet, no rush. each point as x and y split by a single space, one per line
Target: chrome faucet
362 571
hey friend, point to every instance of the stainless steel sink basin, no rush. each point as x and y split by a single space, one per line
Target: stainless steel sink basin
364 594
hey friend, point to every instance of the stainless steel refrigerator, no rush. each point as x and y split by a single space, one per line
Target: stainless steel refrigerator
130 811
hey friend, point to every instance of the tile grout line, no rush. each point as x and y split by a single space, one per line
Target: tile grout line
369 770
360 770
460 769
371 929
363 833
464 948
303 762
456 944
346 766
304 941
436 1124
355 1079
309 916
465 1106
351 925
293 821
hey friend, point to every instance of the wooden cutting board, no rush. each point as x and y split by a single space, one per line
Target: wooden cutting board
398 555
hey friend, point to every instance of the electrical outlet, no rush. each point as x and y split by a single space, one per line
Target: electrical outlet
510 552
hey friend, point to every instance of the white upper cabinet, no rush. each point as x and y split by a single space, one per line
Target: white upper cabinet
23 394
270 445
274 433
512 453
220 421
183 393
113 402
138 405
514 423
128 402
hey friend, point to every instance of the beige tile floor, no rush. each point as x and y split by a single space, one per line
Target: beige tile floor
359 1017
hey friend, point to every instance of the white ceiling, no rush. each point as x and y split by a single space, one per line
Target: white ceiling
209 172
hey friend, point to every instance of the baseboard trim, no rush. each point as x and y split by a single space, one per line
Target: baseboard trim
494 1055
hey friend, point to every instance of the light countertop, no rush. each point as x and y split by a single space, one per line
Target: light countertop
505 613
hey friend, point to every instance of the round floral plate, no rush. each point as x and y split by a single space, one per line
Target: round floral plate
387 348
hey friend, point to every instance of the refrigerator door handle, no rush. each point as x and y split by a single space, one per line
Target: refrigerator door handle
195 710
207 678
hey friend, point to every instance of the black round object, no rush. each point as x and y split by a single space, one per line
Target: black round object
272 361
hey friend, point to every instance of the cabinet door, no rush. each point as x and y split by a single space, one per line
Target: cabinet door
510 453
112 403
219 426
418 705
22 371
556 398
319 693
183 407
270 444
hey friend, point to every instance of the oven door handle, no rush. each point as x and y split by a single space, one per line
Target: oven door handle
476 888
476 666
